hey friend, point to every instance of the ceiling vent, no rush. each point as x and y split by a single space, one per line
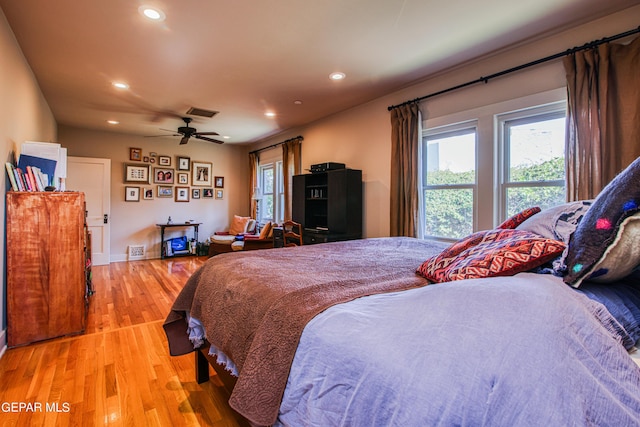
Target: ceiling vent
193 111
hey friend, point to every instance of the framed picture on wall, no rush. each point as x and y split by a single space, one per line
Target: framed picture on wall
195 193
207 193
182 194
147 193
183 178
135 154
164 160
201 174
184 163
163 175
136 173
165 191
131 194
219 182
219 194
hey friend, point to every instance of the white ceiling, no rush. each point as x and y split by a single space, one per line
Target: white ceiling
243 58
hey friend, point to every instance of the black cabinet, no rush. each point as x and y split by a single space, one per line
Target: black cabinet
328 205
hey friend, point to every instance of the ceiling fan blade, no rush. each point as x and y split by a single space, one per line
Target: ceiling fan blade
204 138
208 133
184 139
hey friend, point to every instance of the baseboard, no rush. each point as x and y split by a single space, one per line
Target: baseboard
125 257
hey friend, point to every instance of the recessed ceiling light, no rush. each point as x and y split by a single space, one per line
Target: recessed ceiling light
152 13
337 76
297 102
270 114
113 122
120 85
226 137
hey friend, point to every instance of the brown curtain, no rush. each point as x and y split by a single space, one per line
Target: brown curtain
405 142
291 165
253 184
603 120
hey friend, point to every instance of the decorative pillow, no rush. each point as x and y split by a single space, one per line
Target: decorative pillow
239 224
518 218
264 233
251 226
557 222
490 253
602 247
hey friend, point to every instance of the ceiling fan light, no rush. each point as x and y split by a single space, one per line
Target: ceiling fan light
120 85
337 76
113 122
270 114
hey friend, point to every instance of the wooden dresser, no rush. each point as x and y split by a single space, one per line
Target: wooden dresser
46 261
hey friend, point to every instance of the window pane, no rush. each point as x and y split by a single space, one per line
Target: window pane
449 213
521 198
267 180
451 158
536 150
266 207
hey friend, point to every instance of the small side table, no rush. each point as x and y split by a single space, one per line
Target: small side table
184 224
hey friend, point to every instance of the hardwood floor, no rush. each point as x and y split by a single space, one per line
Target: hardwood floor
119 372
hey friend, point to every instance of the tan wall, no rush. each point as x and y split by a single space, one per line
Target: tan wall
24 115
360 137
133 223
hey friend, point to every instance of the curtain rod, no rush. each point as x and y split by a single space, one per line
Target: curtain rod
586 46
276 144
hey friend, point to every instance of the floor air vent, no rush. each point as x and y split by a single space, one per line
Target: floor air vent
136 252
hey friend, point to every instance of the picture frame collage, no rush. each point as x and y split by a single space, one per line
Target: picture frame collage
188 180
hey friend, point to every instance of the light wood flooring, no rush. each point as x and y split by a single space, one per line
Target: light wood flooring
119 372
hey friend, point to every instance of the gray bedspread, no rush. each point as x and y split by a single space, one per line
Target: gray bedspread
254 305
525 350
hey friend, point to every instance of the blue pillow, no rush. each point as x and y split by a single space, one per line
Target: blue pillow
603 246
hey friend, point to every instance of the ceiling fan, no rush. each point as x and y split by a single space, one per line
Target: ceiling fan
188 132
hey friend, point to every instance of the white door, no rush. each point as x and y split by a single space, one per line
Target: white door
93 178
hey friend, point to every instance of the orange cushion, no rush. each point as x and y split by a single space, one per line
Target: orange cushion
264 233
239 224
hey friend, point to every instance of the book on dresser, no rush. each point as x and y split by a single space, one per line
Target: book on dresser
46 265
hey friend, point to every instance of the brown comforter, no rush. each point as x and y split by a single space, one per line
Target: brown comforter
254 305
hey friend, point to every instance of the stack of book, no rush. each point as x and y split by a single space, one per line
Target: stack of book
30 179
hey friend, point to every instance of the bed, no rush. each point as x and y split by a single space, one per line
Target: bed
402 331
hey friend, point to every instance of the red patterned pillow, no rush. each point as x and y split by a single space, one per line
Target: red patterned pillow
490 253
519 218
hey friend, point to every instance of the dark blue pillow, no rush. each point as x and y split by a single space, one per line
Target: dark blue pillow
603 229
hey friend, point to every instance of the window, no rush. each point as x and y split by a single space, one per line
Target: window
449 180
533 169
270 180
482 165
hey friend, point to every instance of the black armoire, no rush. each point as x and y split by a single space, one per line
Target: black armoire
328 205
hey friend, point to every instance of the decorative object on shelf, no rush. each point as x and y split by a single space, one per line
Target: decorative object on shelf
184 163
165 191
219 182
147 193
201 174
169 220
136 173
182 194
195 193
164 160
163 175
132 194
207 193
135 154
219 194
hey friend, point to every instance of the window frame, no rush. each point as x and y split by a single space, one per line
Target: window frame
503 123
450 130
277 194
